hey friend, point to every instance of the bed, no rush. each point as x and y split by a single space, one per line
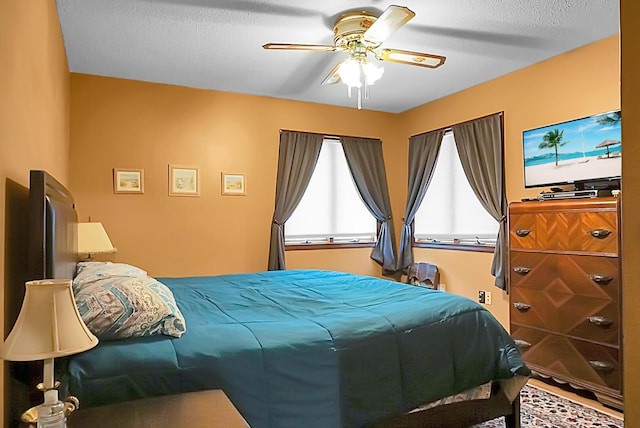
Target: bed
297 348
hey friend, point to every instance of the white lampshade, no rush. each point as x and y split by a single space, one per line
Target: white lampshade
93 239
49 324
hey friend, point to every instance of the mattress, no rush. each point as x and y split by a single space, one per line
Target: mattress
306 348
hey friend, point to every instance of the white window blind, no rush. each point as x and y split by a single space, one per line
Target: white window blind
450 212
331 206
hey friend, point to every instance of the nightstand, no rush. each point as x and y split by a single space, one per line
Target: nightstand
209 408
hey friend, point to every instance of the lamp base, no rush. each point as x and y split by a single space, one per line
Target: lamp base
71 403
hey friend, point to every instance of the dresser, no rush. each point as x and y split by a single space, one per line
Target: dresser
565 291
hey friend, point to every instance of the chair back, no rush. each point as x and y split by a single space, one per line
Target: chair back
424 275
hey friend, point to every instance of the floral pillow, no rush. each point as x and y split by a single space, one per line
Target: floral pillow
91 271
118 301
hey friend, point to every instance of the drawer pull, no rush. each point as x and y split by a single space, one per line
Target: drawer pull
522 232
522 307
521 270
601 279
600 321
522 344
602 366
600 233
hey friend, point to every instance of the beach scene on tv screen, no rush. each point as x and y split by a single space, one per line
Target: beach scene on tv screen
579 150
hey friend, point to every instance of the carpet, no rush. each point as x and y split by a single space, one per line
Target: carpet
539 408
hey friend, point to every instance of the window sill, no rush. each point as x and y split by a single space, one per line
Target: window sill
459 247
328 245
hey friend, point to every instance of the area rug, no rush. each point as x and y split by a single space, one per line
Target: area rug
539 408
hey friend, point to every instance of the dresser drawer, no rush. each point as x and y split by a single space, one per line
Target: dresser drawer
573 360
575 315
550 227
589 276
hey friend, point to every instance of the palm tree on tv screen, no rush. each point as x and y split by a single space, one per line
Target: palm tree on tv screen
610 119
553 140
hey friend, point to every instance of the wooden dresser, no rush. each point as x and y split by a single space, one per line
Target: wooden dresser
565 291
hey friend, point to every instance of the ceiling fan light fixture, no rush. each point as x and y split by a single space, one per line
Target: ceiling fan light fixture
349 73
372 73
358 72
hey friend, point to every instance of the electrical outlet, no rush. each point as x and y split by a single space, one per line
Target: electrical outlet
481 297
487 297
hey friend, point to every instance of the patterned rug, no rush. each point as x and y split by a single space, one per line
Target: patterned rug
539 408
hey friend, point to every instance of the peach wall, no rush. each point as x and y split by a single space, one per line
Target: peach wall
630 76
34 128
128 124
568 86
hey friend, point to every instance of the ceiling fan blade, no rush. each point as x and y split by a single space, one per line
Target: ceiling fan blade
409 57
299 47
333 77
391 19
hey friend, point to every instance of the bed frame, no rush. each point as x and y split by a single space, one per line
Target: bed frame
52 254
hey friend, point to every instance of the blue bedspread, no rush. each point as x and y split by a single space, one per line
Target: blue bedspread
306 349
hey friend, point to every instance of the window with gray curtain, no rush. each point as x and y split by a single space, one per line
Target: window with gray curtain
331 210
479 150
296 163
452 216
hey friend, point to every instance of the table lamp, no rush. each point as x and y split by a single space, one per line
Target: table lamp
93 239
48 326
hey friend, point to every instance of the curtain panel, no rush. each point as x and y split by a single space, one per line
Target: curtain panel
297 158
366 163
423 154
480 147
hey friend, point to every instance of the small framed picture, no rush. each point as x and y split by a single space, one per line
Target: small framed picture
184 180
233 184
128 180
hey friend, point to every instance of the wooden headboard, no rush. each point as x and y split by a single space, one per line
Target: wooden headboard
52 228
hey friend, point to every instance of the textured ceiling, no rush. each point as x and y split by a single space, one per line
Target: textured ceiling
216 44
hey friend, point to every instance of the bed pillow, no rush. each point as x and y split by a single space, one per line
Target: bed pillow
118 307
91 271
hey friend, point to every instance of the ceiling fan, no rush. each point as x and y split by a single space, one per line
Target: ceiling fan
360 33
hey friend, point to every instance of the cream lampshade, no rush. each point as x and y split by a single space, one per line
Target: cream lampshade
93 239
48 326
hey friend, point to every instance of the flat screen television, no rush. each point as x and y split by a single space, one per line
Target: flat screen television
585 152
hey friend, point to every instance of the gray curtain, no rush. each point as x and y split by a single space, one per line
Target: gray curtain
297 158
366 163
480 147
423 153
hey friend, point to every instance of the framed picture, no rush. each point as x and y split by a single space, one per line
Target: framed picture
184 180
128 180
233 184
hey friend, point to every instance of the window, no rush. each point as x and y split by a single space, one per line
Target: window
331 210
450 212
